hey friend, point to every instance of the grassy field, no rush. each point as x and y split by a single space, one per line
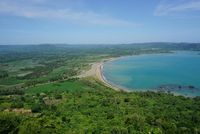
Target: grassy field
10 81
72 85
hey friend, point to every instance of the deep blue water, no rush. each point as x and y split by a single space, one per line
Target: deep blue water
152 71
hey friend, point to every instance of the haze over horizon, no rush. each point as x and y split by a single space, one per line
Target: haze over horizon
98 21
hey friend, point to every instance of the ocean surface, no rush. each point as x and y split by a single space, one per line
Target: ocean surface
177 72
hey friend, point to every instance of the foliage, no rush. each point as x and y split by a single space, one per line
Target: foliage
9 123
36 108
11 91
98 109
3 74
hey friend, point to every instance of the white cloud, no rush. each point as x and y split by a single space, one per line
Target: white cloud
166 8
31 11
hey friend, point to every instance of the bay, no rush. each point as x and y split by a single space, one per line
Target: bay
177 72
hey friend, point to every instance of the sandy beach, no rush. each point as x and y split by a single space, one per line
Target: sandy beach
96 71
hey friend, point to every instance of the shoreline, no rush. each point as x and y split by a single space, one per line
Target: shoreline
96 71
101 77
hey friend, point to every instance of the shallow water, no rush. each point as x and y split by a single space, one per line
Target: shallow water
153 71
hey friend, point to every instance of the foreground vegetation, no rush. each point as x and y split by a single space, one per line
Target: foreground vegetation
39 93
86 106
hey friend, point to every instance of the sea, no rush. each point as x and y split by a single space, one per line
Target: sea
177 72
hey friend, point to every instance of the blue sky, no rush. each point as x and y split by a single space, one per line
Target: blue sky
99 21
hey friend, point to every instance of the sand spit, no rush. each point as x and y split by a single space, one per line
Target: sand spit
97 72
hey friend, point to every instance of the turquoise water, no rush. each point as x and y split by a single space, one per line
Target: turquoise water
152 71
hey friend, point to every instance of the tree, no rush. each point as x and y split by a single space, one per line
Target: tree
9 123
17 104
36 108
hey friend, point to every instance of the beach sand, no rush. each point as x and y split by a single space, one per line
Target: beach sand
96 71
91 72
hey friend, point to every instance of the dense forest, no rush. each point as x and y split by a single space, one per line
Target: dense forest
39 93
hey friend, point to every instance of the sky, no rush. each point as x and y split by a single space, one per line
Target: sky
98 21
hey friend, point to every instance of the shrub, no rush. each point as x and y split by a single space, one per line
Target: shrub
17 105
126 100
9 123
36 108
110 115
65 119
58 96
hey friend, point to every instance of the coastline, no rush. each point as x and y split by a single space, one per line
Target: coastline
96 71
100 76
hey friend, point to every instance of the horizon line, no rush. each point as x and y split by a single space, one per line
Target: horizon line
37 44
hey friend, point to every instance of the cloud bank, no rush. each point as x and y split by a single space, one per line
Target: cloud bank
171 7
36 9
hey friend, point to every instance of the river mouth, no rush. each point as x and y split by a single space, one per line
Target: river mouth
176 72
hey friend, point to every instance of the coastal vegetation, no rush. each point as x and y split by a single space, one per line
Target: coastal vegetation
41 93
87 106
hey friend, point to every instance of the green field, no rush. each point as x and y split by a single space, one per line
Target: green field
72 85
